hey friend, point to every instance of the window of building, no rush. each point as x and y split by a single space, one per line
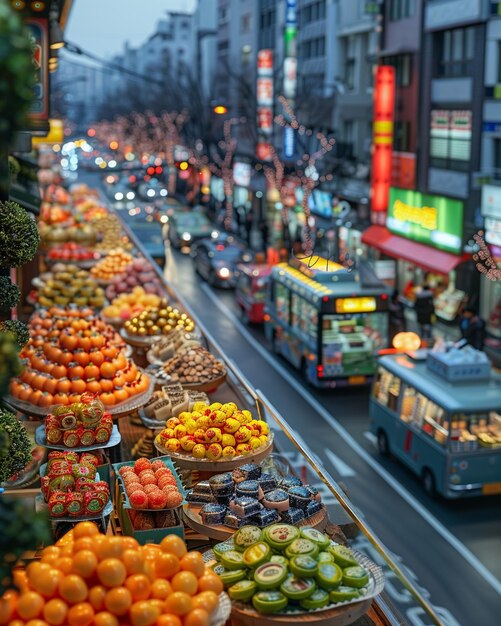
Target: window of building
499 62
450 139
246 54
497 154
245 23
348 131
401 137
349 63
403 68
400 9
456 52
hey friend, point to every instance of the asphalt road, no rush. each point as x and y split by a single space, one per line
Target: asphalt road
450 550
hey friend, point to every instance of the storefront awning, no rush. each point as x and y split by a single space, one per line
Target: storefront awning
430 259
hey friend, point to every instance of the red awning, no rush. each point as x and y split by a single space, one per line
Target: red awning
430 259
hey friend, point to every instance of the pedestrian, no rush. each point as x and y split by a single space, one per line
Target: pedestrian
425 311
472 328
397 314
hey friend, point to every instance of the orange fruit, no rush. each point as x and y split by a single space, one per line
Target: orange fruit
133 561
129 543
197 617
47 582
210 582
96 597
151 551
54 612
118 600
85 529
20 579
207 600
173 545
160 589
105 619
193 562
111 572
178 603
37 570
73 589
36 622
144 613
185 581
169 620
109 547
166 565
64 564
139 586
30 605
81 614
50 554
8 603
84 562
16 622
83 543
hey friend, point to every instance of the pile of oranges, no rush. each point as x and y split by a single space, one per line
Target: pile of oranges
90 579
114 263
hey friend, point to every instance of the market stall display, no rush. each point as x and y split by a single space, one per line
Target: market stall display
140 273
115 263
110 232
68 284
153 323
55 234
170 401
167 346
127 305
73 252
194 367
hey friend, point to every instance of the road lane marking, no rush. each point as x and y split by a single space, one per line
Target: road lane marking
417 506
342 468
370 437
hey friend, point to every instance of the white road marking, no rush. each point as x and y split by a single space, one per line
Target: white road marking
417 506
342 468
370 437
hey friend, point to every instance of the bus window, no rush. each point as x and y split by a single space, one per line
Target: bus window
432 419
470 431
408 407
282 302
387 388
296 309
243 284
309 319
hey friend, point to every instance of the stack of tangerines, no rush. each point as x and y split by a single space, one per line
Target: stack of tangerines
72 352
90 579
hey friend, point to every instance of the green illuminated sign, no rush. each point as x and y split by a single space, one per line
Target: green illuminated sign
433 220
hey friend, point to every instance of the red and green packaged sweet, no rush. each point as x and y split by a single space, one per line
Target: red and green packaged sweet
88 437
68 420
103 434
54 435
45 486
102 485
80 469
64 455
62 483
58 467
57 504
93 502
88 457
71 438
103 496
75 503
84 483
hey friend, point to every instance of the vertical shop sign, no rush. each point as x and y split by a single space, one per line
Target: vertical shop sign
384 102
38 113
290 70
265 95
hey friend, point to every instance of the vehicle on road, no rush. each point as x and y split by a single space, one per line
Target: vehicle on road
151 190
216 260
186 227
328 321
250 290
449 434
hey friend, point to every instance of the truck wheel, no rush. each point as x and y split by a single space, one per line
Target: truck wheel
382 443
428 482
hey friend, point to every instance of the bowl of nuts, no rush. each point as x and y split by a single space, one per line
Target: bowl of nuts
154 323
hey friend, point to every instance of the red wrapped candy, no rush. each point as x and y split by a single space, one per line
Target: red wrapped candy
75 503
54 435
88 437
57 504
103 434
93 502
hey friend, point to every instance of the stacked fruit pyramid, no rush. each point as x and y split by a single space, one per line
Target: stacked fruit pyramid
116 262
159 321
71 352
68 284
90 579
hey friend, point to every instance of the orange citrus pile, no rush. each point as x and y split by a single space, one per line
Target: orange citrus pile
90 579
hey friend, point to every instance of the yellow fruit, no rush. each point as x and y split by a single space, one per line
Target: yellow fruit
228 440
73 589
228 452
30 605
185 581
55 611
198 451
255 443
144 613
111 572
178 603
172 544
118 601
193 562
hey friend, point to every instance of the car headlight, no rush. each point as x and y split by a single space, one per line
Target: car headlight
164 219
214 234
150 193
186 236
163 192
130 195
119 195
246 258
223 272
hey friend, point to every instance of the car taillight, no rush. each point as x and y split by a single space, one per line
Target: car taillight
320 371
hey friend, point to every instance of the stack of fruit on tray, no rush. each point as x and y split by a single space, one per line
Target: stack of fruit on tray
68 284
56 234
116 262
110 232
284 568
71 252
89 578
216 432
69 485
171 401
80 424
151 486
166 347
192 366
51 213
139 273
158 321
127 305
249 496
71 352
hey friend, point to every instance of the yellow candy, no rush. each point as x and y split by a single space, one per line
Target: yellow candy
231 425
243 448
228 440
214 451
198 451
228 452
255 443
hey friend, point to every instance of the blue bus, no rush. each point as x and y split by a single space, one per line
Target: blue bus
449 434
328 321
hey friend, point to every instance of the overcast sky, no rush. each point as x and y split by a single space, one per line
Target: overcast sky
103 26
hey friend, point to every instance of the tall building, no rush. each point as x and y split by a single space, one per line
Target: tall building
204 45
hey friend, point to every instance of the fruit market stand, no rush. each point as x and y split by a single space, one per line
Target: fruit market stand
196 458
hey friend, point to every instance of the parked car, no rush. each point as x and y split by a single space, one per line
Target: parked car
151 190
250 290
216 260
186 227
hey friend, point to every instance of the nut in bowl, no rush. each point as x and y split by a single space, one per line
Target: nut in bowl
193 367
158 321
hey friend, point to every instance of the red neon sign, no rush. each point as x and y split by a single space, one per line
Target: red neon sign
384 103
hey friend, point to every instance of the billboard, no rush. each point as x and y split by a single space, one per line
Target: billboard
434 220
264 98
38 113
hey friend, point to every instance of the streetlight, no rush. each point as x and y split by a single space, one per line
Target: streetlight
56 32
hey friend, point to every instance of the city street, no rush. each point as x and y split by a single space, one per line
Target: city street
464 537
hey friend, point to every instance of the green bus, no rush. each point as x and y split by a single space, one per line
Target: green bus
329 321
